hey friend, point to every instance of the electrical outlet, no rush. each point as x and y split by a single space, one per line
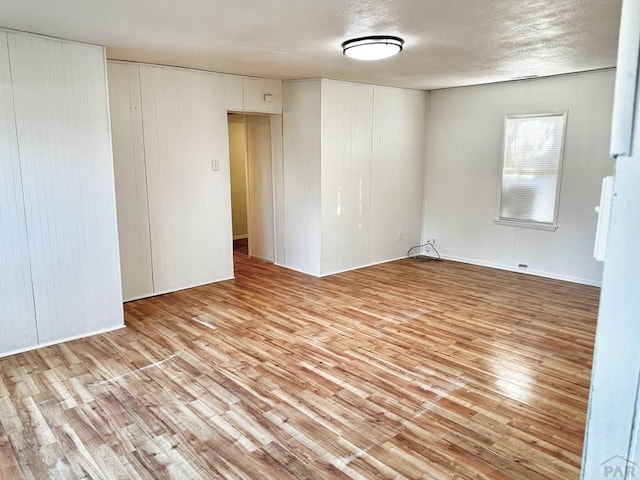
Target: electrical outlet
432 241
399 237
215 164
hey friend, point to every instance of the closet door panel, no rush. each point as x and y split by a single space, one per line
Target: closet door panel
67 173
130 180
347 116
17 313
260 177
397 172
187 160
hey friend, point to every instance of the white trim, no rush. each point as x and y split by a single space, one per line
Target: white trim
563 135
51 37
297 270
519 223
240 237
176 67
113 171
62 340
164 292
625 91
263 259
363 266
527 78
536 273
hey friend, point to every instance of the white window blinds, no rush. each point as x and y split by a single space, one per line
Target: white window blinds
532 163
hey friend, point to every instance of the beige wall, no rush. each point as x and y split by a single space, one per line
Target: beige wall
464 148
238 160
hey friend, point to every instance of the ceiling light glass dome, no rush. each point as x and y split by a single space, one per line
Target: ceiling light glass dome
375 47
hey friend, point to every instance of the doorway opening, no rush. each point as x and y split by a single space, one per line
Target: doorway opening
252 193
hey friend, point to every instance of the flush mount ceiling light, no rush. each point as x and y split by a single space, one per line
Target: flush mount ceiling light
374 47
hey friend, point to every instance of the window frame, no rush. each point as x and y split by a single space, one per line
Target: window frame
524 223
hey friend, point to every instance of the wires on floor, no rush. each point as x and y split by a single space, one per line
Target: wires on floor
419 257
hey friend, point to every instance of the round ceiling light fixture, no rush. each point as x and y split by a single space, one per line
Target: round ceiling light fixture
374 47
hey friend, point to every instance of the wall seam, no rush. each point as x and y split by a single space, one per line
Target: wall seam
24 205
146 177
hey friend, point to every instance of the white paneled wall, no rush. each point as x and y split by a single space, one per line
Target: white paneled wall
131 180
262 95
463 174
372 173
67 173
369 167
260 187
171 153
231 87
185 133
17 311
62 123
347 133
397 171
301 176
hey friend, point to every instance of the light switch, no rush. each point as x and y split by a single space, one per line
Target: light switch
268 97
215 165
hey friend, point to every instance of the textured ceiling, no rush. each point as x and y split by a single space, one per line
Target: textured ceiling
448 42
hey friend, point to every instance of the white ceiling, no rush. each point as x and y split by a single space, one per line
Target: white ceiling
448 42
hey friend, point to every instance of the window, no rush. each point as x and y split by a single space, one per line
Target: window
531 170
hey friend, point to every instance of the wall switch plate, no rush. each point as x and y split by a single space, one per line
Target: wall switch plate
399 235
268 97
215 165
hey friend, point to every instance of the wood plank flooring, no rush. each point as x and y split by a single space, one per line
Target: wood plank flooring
432 370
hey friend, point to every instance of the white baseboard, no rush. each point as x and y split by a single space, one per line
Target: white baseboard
341 271
264 259
297 270
171 290
537 273
363 266
61 340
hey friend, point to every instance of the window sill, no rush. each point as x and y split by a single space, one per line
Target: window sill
532 225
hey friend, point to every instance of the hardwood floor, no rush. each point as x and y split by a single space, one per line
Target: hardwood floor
405 370
241 246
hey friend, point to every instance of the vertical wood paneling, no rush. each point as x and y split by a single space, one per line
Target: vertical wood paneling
185 130
130 180
231 89
372 172
254 90
301 175
397 173
67 172
260 181
347 116
17 313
